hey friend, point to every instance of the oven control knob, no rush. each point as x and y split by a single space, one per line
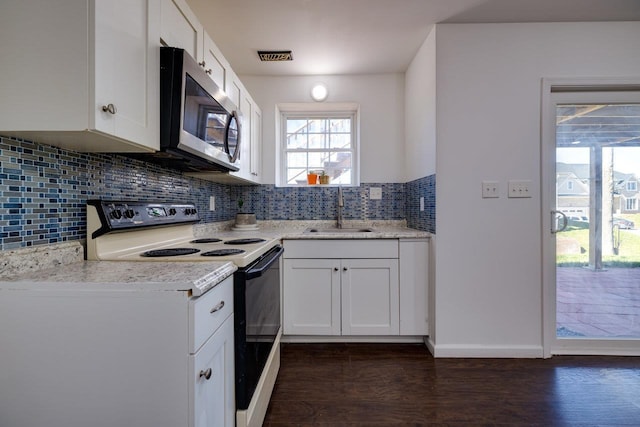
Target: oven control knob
193 211
172 211
129 213
116 214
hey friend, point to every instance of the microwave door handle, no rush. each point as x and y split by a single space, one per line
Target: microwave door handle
234 117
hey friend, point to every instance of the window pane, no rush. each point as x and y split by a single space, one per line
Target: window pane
340 140
296 141
317 140
317 126
317 160
318 143
296 126
297 160
341 125
296 176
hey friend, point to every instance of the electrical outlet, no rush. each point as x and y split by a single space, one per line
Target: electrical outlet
375 193
212 203
520 188
490 189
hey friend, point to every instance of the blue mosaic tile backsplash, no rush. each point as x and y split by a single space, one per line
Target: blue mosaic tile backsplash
44 189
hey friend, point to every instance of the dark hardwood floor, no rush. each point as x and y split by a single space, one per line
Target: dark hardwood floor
403 385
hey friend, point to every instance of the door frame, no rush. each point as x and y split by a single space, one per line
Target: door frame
592 90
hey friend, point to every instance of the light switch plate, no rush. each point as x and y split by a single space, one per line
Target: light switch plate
490 189
519 188
421 204
212 203
375 193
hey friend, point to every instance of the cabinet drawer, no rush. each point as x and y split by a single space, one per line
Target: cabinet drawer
207 313
347 248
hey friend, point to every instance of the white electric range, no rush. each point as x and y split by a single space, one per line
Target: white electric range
144 231
163 232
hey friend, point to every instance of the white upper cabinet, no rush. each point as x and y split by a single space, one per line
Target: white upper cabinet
181 28
214 63
84 76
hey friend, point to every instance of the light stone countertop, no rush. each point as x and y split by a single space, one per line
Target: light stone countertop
296 230
197 277
63 264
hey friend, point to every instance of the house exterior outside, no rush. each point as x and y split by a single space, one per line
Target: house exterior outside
572 190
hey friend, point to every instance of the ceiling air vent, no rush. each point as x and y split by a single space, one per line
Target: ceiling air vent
275 55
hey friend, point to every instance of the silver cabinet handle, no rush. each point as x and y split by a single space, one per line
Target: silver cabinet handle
110 108
217 307
206 374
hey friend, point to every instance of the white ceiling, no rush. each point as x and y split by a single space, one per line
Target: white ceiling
367 36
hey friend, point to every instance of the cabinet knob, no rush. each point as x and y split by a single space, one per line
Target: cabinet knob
202 63
206 374
344 268
335 269
217 307
208 71
110 108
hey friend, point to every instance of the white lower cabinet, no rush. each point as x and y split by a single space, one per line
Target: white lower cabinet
103 358
342 295
212 373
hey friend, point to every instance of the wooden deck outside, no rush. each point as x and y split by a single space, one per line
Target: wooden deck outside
598 304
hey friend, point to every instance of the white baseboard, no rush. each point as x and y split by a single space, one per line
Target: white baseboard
492 351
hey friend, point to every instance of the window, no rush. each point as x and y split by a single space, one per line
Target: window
631 204
321 139
632 186
570 185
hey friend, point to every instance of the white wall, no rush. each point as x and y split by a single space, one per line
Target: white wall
381 100
420 111
488 264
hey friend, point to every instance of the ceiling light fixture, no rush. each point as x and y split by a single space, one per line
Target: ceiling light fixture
275 55
319 92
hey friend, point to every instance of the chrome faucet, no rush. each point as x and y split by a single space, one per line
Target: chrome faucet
340 206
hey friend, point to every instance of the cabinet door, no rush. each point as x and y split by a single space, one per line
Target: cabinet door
256 144
212 373
311 297
370 303
180 28
414 279
213 62
127 70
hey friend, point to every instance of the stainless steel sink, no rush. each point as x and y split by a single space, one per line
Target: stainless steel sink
346 230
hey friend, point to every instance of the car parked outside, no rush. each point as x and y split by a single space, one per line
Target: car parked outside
623 223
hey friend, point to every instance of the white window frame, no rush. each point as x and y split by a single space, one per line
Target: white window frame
287 110
631 204
632 186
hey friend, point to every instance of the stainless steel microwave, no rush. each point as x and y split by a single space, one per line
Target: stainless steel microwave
199 124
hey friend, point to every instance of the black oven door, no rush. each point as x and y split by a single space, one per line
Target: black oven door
256 321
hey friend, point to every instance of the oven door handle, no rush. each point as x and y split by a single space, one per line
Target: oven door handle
258 269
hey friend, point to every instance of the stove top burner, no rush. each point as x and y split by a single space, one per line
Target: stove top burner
222 252
207 240
170 252
244 241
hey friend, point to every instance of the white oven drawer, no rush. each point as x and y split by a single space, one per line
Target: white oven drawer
207 313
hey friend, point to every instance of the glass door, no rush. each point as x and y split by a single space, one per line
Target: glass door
595 226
